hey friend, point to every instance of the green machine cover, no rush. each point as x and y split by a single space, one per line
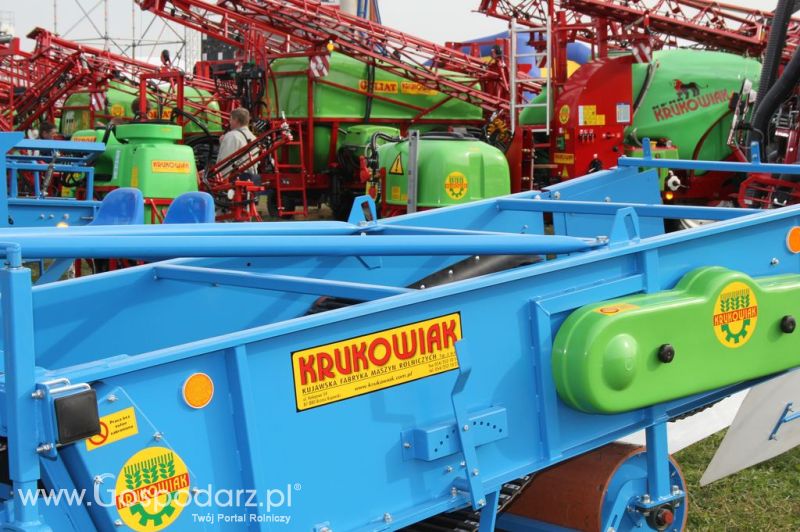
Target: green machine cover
716 328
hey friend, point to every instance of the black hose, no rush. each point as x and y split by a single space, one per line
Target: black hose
370 91
778 94
769 70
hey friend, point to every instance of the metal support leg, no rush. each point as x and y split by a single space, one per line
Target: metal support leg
20 380
658 462
489 513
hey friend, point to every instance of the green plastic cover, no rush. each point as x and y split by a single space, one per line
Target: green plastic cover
723 326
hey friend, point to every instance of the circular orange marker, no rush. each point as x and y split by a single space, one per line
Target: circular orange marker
609 310
793 239
198 390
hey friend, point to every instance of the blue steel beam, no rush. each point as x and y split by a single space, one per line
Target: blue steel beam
646 211
280 283
143 247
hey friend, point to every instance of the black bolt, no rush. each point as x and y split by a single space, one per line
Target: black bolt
666 353
788 324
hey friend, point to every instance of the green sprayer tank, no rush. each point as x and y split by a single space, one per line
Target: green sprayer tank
147 157
451 171
332 103
121 99
681 100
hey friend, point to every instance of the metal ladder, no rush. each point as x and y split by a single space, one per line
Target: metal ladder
289 176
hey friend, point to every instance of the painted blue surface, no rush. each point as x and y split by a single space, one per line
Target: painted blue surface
41 156
136 335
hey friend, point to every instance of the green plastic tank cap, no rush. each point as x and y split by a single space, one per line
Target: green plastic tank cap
620 361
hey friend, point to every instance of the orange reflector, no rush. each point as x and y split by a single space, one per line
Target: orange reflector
198 390
669 196
793 239
62 224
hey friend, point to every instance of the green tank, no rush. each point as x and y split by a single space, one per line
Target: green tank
452 171
680 111
120 100
147 157
331 102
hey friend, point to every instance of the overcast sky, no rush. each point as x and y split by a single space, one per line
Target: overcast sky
436 20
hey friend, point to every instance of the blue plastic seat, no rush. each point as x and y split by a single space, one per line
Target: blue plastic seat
191 208
123 206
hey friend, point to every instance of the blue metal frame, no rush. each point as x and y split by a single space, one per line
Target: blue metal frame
240 307
59 156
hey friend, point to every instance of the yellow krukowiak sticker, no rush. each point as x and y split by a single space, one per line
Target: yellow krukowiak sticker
170 167
410 87
456 185
114 427
152 489
357 366
563 114
735 314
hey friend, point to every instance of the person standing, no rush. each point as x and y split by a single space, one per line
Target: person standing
234 140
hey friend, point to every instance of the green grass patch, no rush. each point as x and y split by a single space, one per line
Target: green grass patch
765 497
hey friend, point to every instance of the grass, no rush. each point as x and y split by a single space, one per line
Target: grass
765 497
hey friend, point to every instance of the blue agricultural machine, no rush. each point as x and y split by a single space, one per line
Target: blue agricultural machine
467 368
40 160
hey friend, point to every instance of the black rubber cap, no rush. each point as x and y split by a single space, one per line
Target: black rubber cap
788 324
666 353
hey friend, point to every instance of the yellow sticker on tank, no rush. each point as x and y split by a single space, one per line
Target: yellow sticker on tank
735 314
396 194
397 165
80 138
456 185
170 167
114 427
563 114
152 489
564 158
417 89
117 110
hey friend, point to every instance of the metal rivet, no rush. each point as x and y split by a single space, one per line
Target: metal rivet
44 448
465 427
38 394
675 489
646 498
463 463
450 273
118 522
482 502
556 195
158 436
607 199
406 445
387 518
112 398
448 469
774 261
475 472
98 479
454 492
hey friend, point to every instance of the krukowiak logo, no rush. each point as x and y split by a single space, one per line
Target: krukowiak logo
735 314
365 364
152 489
689 97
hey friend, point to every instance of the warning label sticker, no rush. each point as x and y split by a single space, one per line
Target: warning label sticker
365 364
114 427
564 158
397 165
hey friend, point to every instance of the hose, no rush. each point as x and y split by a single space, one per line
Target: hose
769 70
778 94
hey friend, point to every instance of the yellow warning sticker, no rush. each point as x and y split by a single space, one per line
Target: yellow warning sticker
616 308
397 165
114 427
735 314
380 87
396 194
409 87
587 116
152 489
81 138
170 167
564 158
365 364
456 185
564 173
